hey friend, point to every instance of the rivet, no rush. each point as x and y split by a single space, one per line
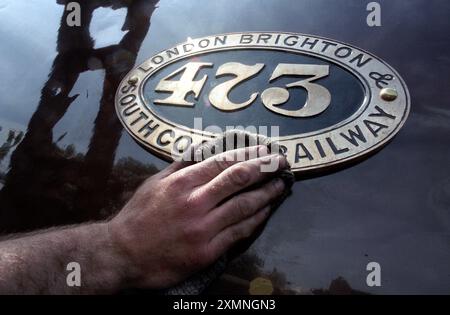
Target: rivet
388 94
133 80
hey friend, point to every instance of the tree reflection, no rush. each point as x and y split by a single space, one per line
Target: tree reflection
49 186
14 137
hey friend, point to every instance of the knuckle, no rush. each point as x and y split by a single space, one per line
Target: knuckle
179 180
274 188
193 201
243 207
194 233
240 175
222 162
236 235
262 150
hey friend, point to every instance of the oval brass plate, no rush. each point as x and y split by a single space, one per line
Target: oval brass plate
379 113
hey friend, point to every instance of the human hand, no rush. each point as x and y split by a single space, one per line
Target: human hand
184 218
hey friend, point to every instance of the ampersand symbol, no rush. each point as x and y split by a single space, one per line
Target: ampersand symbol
380 79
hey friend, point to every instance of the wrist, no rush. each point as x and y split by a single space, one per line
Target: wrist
107 270
126 270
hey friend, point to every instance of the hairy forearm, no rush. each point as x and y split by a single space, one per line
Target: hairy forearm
37 263
178 222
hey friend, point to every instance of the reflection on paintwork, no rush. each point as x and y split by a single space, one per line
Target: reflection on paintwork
106 25
61 177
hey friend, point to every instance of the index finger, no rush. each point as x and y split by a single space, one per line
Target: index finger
238 177
202 172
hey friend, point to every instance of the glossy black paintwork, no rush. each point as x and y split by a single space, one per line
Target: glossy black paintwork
64 157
